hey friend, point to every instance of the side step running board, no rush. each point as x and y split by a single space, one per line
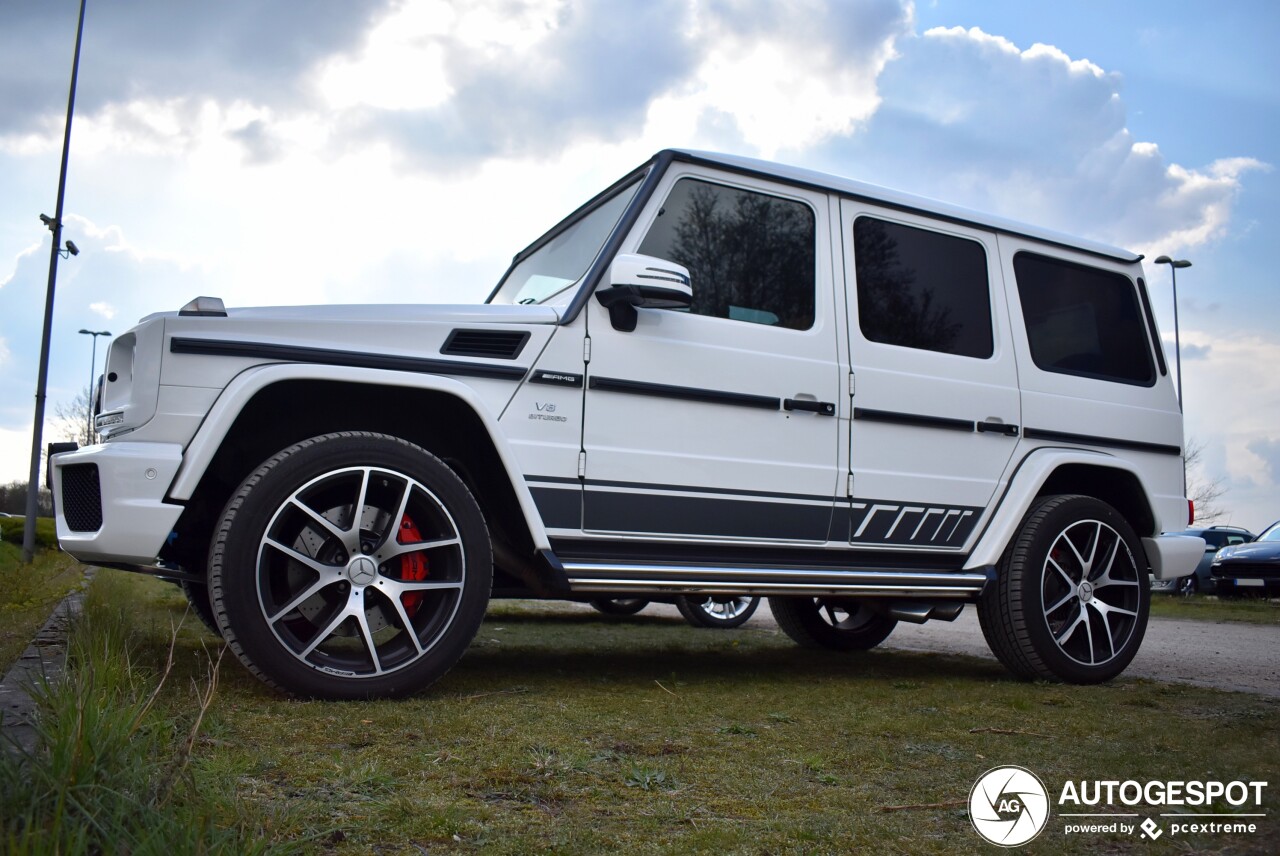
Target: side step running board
618 578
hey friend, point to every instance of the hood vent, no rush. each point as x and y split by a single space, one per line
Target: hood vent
490 344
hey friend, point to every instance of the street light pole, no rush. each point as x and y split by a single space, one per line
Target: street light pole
93 365
55 226
1174 265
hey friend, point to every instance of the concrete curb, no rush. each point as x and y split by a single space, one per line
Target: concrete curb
44 658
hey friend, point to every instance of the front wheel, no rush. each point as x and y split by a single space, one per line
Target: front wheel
721 611
198 598
1071 599
351 565
839 623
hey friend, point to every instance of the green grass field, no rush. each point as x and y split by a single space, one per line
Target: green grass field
28 593
564 731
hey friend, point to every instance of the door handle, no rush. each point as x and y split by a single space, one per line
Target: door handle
997 428
822 408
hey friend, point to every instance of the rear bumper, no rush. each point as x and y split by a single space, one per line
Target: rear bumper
1173 556
109 501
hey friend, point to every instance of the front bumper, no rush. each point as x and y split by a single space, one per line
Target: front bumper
109 501
1173 556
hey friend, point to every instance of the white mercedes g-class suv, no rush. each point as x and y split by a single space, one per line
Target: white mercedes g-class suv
718 377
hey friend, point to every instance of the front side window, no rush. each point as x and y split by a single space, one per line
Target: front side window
564 258
1083 321
750 255
922 289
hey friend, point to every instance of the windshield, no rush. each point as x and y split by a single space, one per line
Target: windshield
1272 533
561 261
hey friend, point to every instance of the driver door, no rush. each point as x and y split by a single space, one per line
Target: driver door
720 422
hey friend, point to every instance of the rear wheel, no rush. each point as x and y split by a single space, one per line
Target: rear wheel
720 611
839 623
351 565
1071 599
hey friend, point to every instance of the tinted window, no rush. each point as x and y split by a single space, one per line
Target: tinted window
1083 321
750 255
922 289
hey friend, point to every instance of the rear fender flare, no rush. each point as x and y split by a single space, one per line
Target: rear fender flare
1026 485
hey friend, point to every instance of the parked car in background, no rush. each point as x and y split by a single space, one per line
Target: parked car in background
1201 582
1249 569
722 611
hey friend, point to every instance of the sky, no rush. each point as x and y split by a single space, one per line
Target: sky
401 151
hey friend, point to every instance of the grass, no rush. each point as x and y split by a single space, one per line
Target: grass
110 774
28 594
12 529
565 731
1201 607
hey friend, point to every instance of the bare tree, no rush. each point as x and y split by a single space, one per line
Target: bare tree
72 419
1204 491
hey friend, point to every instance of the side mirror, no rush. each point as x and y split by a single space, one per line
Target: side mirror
637 281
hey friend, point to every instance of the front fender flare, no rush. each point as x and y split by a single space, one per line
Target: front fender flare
226 410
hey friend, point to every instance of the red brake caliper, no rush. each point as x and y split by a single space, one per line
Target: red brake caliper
413 566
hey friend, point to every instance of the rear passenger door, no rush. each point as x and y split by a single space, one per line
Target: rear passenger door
936 408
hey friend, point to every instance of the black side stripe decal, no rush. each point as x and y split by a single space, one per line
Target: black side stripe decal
858 521
1091 440
684 393
914 419
332 357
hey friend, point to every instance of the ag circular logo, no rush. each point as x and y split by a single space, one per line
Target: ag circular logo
1009 806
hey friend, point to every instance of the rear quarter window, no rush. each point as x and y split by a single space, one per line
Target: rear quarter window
1083 321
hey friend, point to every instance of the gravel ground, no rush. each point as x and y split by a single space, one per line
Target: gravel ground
1221 655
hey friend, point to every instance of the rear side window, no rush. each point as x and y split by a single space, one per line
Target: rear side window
1083 321
750 255
922 289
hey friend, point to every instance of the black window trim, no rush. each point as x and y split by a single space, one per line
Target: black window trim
651 174
748 188
992 297
1147 384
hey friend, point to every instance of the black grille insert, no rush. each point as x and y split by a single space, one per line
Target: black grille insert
82 497
493 344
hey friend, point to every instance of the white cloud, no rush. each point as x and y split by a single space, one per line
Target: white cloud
104 309
4 351
400 66
1231 393
15 454
1039 136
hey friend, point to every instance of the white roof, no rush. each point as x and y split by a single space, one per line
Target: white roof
898 199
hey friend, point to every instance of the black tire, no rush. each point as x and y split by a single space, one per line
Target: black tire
722 612
1188 585
198 597
619 605
1071 599
317 578
838 623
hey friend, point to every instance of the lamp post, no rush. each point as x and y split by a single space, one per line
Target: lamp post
93 364
1174 265
55 226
